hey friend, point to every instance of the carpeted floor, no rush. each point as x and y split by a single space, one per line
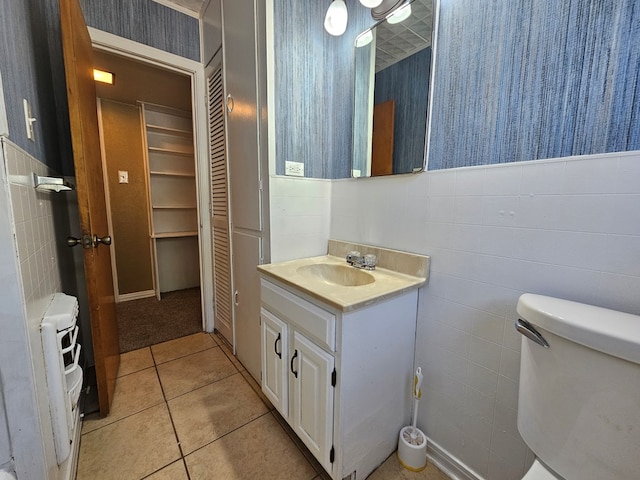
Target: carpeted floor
147 321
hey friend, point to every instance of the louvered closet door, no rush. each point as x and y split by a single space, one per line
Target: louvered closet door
220 208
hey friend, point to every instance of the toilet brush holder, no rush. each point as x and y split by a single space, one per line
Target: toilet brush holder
412 452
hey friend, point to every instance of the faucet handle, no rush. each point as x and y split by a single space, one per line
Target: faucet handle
369 261
353 256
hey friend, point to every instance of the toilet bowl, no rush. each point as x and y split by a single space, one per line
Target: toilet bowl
539 472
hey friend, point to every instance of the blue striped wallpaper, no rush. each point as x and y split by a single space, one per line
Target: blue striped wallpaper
520 80
314 75
407 82
146 22
26 73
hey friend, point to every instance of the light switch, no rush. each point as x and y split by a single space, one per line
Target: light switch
28 119
123 176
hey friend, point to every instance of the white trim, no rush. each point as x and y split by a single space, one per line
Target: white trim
449 464
434 54
125 297
4 123
107 199
108 42
178 8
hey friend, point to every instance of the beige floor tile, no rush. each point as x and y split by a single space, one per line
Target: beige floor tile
256 388
134 392
229 353
175 471
214 337
130 448
208 413
135 361
392 470
260 449
180 347
298 442
193 371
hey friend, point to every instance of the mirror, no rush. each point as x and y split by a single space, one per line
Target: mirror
392 76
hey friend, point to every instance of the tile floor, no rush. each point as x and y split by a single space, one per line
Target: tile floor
187 409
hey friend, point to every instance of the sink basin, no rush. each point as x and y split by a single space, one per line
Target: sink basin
342 275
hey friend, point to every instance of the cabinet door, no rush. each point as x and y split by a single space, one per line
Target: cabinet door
246 301
274 361
312 397
243 116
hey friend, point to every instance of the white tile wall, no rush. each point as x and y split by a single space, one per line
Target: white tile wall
37 278
564 227
299 210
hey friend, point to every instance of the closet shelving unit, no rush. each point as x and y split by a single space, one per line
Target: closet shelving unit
172 197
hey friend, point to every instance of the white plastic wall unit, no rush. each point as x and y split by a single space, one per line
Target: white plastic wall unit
64 378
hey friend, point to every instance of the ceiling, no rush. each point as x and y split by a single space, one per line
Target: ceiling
401 40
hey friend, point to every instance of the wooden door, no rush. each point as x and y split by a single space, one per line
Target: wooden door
312 397
275 361
83 117
383 133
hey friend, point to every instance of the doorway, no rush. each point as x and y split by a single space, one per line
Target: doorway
147 142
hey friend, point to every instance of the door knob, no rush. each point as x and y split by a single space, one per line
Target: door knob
106 240
85 241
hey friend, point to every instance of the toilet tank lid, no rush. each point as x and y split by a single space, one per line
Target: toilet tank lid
609 331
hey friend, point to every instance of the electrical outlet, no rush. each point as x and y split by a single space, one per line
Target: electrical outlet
294 169
123 176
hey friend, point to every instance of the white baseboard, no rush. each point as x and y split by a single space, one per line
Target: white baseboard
135 296
449 464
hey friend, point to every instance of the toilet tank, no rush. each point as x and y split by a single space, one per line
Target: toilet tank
579 399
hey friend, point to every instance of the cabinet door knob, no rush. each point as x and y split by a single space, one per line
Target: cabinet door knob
230 103
275 346
295 374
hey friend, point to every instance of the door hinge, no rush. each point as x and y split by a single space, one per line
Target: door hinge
260 185
332 454
334 377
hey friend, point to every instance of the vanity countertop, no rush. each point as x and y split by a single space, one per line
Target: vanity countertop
345 298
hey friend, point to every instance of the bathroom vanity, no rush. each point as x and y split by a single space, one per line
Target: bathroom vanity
338 351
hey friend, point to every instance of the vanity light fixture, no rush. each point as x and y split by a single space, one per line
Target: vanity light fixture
364 38
400 14
335 21
371 3
103 76
383 10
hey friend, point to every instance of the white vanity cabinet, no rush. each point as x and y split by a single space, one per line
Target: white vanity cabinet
341 379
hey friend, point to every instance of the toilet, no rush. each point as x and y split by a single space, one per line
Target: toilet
579 397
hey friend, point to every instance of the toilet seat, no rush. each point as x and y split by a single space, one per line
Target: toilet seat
539 472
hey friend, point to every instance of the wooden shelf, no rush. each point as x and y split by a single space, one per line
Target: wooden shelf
173 174
172 184
174 234
169 130
173 152
175 207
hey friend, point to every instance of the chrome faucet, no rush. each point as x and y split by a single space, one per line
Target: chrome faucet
367 262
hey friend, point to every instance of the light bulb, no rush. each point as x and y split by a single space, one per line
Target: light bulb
400 15
364 38
335 22
371 3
